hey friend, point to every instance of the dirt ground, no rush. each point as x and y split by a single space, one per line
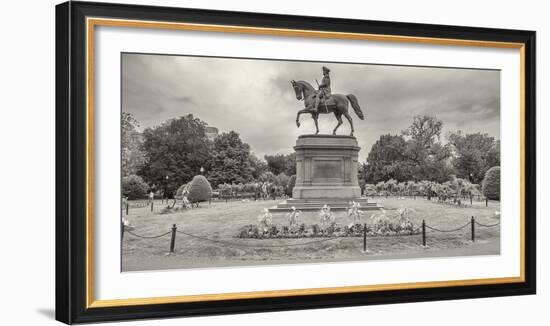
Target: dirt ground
221 222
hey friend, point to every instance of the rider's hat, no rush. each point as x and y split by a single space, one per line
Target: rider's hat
325 69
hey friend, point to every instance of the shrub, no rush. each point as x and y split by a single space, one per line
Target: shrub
224 190
290 185
199 190
134 187
183 188
491 183
370 190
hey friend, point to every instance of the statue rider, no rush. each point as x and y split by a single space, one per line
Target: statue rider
324 89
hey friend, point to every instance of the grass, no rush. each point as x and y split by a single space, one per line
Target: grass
221 221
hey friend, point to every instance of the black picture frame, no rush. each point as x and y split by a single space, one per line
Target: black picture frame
71 158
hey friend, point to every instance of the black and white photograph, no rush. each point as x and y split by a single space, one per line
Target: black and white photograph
231 161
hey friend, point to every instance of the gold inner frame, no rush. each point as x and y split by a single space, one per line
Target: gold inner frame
92 22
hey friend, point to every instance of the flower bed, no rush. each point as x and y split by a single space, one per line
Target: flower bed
380 228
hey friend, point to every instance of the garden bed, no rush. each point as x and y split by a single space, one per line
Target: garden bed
252 231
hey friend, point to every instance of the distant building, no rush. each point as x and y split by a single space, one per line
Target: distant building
211 132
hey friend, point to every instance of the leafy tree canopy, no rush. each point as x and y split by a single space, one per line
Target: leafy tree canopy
175 151
474 154
231 160
281 163
387 160
491 183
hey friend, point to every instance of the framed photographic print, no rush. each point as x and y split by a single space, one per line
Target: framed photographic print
214 162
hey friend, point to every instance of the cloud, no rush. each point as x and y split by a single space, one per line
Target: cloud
255 98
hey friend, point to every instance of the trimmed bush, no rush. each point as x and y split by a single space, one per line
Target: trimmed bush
290 185
199 190
491 183
134 187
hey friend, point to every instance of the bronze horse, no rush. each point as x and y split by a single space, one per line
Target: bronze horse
337 104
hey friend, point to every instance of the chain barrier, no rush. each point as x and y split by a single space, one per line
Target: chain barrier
487 225
146 237
453 230
248 245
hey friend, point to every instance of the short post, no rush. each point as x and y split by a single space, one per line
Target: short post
486 202
151 205
423 233
127 207
365 237
471 203
473 223
173 240
121 232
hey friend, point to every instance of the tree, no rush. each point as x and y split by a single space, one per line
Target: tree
281 163
425 131
199 190
491 183
474 154
269 177
387 160
430 159
282 181
132 157
258 166
230 161
134 187
362 174
176 149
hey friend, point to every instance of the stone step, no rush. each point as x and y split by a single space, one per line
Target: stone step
280 209
331 200
333 203
322 204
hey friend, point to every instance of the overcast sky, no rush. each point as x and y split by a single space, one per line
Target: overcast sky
255 98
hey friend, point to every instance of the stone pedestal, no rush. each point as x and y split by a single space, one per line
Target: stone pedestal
326 174
326 167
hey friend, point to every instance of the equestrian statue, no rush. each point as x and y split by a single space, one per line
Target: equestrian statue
321 101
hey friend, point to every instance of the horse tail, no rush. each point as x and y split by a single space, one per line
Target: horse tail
355 106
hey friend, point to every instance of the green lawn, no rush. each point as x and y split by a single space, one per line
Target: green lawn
222 221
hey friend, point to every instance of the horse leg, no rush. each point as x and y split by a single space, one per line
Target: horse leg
316 118
298 116
346 114
339 117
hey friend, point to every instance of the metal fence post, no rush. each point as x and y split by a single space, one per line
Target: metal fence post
127 207
424 233
121 232
365 237
473 222
173 240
